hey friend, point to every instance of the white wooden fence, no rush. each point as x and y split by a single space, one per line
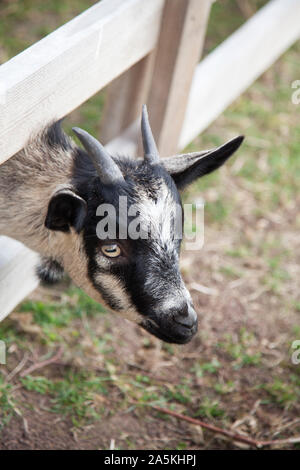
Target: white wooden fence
147 51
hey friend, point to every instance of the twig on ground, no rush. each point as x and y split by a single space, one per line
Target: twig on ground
17 369
233 436
257 293
203 289
149 374
295 422
19 413
41 364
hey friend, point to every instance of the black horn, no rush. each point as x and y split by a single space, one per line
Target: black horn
107 169
150 150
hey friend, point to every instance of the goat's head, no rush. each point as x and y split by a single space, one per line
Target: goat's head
136 276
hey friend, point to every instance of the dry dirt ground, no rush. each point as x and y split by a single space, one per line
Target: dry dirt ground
238 372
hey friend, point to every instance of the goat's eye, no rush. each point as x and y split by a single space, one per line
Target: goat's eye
112 251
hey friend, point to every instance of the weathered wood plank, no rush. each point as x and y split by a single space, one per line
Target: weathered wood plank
177 54
17 274
58 73
228 71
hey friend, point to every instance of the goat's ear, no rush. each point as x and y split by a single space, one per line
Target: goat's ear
66 209
187 168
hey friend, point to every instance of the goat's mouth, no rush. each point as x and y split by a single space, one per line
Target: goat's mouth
177 334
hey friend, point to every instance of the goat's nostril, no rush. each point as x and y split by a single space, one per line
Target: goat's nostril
183 312
186 317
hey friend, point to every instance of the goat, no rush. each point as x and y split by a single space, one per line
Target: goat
49 195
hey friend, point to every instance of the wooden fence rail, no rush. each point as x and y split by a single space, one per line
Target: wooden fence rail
148 51
57 74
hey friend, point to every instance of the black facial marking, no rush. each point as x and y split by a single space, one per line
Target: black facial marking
49 271
140 179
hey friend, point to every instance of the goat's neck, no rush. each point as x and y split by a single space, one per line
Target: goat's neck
27 182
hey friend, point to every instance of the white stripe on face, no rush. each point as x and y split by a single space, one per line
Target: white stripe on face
157 215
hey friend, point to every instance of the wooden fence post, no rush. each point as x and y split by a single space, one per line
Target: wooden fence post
124 99
177 54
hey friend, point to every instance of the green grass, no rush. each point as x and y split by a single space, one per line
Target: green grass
37 384
283 393
201 369
55 316
8 332
181 393
210 408
7 409
238 252
242 350
76 304
230 272
42 18
221 24
225 387
74 395
268 119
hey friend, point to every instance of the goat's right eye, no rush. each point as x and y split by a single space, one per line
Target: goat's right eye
111 251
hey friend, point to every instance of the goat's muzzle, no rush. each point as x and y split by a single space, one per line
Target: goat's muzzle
177 325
